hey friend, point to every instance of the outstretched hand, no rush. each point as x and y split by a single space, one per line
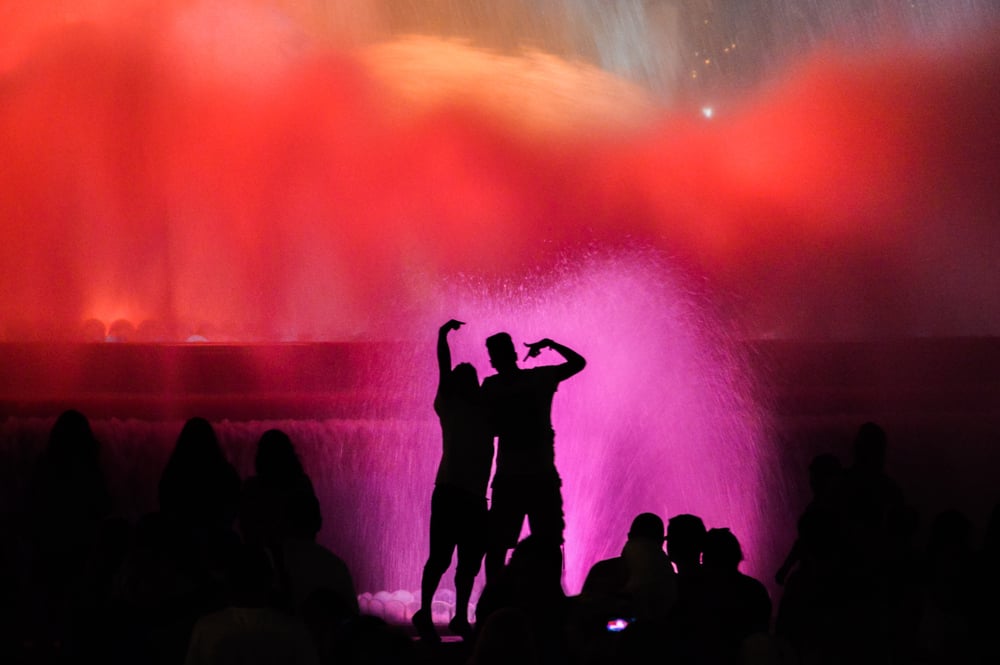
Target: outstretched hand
535 348
453 324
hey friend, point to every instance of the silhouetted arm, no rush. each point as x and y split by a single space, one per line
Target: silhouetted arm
443 351
574 361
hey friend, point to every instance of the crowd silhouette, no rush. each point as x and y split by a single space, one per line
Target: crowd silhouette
230 571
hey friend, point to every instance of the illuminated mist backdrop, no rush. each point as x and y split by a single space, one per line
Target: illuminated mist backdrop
649 183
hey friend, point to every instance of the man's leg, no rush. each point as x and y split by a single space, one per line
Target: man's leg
545 512
506 516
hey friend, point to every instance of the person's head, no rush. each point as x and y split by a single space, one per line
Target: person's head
464 379
685 540
276 456
721 550
71 438
869 447
647 526
197 445
536 561
503 355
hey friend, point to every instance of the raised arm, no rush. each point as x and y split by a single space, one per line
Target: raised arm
443 351
574 361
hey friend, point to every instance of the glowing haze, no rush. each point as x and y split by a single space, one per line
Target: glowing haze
164 163
219 168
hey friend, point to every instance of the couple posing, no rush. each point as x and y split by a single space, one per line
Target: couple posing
515 406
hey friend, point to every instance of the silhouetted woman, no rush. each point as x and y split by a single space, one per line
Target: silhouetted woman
199 488
67 500
280 496
458 504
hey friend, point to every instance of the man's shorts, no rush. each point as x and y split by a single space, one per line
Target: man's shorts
535 496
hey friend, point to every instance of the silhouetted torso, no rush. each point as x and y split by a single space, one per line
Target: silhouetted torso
199 487
519 404
467 445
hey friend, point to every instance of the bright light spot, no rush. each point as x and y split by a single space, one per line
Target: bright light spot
707 111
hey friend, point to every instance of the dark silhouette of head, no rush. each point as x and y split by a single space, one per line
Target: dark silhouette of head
536 563
721 551
685 540
647 526
276 457
869 447
503 355
198 485
72 439
197 445
67 486
464 379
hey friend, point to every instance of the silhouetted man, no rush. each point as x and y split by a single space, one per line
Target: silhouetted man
519 411
641 582
733 607
685 542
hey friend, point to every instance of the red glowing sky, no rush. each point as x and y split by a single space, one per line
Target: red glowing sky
149 173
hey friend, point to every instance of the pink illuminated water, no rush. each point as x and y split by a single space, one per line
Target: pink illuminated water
216 169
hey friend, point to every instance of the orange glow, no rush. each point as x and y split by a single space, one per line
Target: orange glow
164 173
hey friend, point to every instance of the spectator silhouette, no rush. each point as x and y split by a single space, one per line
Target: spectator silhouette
67 501
519 410
250 629
369 640
328 617
506 638
986 593
733 607
458 504
531 583
199 488
279 495
305 567
812 616
639 584
639 587
945 627
279 510
871 499
824 480
199 495
872 503
68 496
685 541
